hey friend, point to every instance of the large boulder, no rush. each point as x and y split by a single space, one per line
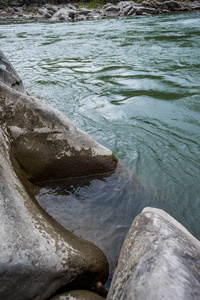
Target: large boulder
46 145
160 259
38 256
8 75
37 143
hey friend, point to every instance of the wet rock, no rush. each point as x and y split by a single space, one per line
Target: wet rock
39 256
8 75
78 295
160 259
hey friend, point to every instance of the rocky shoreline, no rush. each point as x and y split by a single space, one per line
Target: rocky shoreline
70 12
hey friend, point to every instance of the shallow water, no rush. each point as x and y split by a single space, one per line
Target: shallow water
133 84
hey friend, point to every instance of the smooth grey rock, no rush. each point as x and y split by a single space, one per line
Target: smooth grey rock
171 5
46 144
160 259
8 75
39 256
78 295
61 14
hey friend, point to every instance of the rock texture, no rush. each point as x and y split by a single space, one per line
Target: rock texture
109 10
38 256
45 143
78 295
160 259
8 75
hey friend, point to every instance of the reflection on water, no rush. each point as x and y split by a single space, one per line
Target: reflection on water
99 208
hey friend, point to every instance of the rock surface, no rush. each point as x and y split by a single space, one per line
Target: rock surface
8 75
109 10
46 144
78 295
160 259
38 256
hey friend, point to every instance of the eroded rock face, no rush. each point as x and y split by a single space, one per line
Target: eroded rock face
160 259
46 144
39 256
8 75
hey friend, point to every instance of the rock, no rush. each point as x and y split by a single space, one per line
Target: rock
61 14
52 8
46 144
35 250
195 5
72 14
160 259
171 5
111 7
78 295
147 10
70 6
8 75
131 12
48 15
39 256
84 12
126 9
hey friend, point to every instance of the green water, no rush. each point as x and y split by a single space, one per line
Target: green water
134 85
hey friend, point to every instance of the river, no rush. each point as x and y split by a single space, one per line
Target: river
134 85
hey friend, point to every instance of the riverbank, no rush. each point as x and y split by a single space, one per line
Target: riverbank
92 10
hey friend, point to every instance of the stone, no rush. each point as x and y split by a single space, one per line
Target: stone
52 8
113 8
46 144
131 12
159 259
171 5
146 10
61 14
38 256
195 5
78 295
127 9
8 75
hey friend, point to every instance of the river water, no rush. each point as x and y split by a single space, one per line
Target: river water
134 85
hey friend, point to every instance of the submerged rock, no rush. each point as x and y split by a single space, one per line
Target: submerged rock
160 259
39 256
